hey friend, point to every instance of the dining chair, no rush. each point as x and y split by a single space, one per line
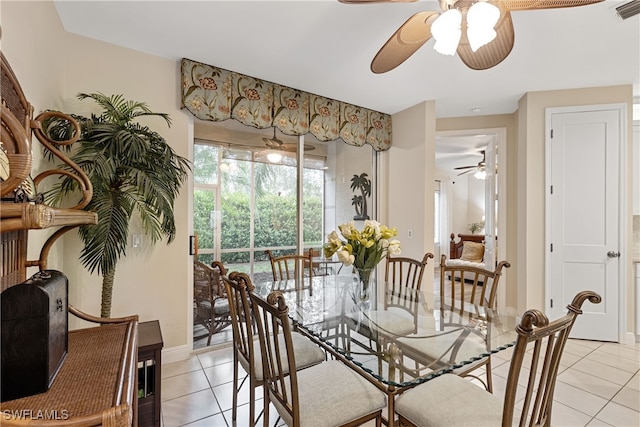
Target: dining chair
450 400
402 282
326 394
398 315
320 266
287 267
471 292
463 287
211 306
246 345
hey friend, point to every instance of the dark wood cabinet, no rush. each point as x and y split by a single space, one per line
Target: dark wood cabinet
149 373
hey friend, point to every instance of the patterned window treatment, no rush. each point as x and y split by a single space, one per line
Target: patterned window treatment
212 93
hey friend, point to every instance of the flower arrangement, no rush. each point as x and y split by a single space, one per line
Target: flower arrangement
362 249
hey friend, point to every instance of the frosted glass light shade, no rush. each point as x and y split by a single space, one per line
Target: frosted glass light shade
446 30
482 18
274 156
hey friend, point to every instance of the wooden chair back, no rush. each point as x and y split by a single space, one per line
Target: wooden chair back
541 342
463 286
287 267
403 272
238 286
276 344
403 279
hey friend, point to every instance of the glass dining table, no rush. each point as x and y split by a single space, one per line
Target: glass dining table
396 338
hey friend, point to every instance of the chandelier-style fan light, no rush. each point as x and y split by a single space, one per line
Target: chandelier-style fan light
276 148
480 31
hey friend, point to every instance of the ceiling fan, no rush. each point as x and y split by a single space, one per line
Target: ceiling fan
479 167
276 147
480 31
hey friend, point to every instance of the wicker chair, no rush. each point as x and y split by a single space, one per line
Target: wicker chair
326 394
211 306
450 400
246 347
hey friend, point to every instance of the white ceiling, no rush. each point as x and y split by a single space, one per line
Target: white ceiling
326 47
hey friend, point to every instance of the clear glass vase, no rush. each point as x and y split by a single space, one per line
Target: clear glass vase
365 277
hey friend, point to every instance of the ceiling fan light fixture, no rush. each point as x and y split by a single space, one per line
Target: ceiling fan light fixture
480 174
446 31
274 156
482 18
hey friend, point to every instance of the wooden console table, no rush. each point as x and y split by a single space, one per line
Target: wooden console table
95 386
149 373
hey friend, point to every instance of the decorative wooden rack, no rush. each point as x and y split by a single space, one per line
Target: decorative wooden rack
97 384
18 216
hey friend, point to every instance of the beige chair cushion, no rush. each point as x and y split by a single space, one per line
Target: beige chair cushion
386 322
463 263
472 251
450 401
440 347
307 353
331 394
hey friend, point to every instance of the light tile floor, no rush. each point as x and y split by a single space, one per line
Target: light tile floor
599 385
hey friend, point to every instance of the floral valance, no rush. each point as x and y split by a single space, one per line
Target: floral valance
212 93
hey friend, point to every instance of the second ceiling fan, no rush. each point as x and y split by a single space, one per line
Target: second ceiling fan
480 31
480 167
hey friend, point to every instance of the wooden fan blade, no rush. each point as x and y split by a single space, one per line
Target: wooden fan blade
464 167
494 52
404 42
543 4
292 148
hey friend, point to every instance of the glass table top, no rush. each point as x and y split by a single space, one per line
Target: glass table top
401 336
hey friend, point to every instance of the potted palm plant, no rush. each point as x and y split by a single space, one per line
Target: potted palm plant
133 172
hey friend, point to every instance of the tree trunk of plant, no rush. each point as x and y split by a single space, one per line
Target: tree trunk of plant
107 293
364 205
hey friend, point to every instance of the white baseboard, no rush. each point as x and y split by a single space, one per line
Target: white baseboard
176 354
183 352
630 338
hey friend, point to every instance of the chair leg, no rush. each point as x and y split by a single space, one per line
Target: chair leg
210 333
265 410
489 376
234 409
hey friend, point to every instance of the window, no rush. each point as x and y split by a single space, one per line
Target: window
243 204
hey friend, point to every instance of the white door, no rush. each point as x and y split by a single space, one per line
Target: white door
583 199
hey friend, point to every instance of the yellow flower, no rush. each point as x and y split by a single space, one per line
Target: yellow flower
362 249
388 233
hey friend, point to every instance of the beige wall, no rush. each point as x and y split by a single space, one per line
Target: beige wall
53 66
409 172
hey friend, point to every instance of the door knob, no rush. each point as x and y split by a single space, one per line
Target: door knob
612 254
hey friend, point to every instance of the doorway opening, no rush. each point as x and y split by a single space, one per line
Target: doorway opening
465 202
